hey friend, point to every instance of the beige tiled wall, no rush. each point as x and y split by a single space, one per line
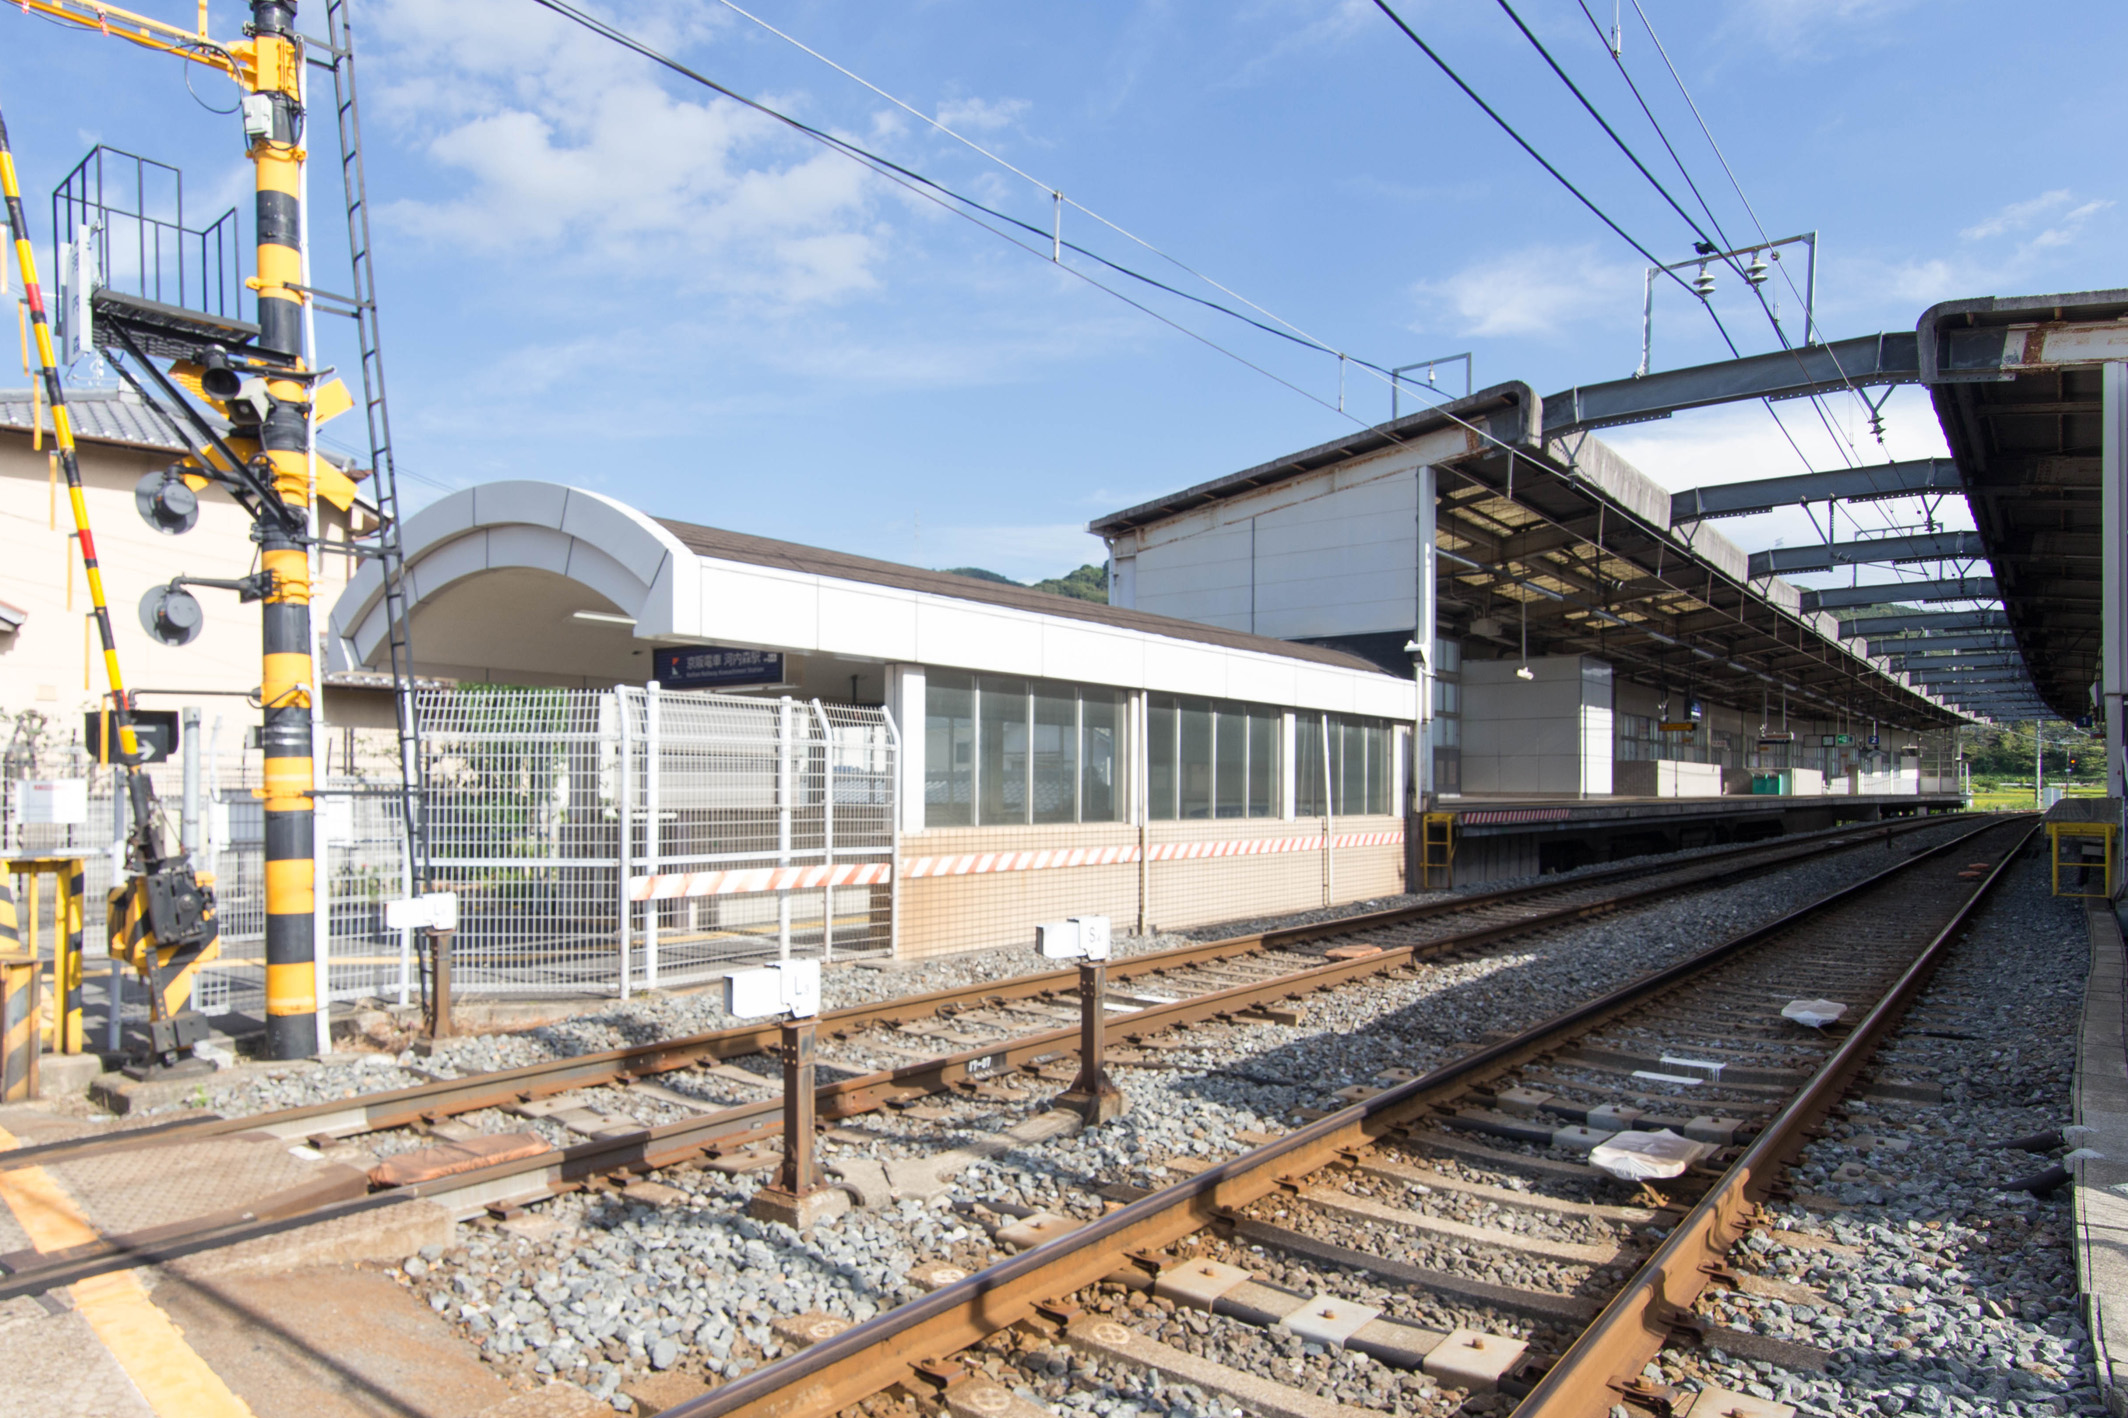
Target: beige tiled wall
940 915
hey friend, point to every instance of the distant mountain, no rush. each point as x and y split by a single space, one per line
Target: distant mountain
1088 583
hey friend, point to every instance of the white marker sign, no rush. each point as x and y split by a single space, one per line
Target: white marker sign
435 911
1080 938
786 987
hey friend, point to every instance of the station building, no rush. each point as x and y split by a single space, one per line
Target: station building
1233 735
1053 756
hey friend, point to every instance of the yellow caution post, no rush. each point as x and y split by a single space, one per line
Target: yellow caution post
2083 838
1437 850
18 1007
70 888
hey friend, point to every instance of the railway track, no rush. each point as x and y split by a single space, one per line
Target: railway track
579 1120
1469 1224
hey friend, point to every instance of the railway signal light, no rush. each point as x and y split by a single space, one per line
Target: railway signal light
166 502
172 615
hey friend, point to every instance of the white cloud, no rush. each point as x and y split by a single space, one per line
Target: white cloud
982 115
2059 221
1535 291
570 149
1300 25
1812 29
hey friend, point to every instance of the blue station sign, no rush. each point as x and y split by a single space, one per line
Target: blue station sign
715 667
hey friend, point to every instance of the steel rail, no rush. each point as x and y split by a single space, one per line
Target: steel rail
1604 1363
561 1169
842 1370
431 1102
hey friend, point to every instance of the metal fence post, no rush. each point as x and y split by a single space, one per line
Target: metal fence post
189 822
894 825
784 776
623 800
1329 821
827 832
651 842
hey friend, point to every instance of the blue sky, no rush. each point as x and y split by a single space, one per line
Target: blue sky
597 273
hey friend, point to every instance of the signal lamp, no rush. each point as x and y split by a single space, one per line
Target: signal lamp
166 503
172 615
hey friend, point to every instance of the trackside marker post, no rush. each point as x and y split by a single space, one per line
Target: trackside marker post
1086 939
435 914
790 988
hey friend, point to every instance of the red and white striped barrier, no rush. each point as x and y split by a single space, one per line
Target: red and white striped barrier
670 886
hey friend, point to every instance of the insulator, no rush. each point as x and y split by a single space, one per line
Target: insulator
1703 283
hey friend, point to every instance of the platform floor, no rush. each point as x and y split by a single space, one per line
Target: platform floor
2102 1169
280 1328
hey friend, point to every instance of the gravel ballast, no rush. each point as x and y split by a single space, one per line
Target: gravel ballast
701 1275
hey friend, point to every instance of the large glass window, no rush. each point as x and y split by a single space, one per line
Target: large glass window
1196 763
1264 729
949 751
1344 771
1163 779
1213 758
1230 757
1002 749
1008 751
1100 747
1056 753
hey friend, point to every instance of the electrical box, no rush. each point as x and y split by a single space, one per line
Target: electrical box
785 987
1057 940
1080 938
1093 936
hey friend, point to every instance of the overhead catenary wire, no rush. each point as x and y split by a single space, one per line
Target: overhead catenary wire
1713 220
1046 188
1730 172
1675 205
1603 216
1045 240
965 206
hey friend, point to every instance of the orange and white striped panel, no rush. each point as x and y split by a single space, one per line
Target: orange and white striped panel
983 863
677 885
671 886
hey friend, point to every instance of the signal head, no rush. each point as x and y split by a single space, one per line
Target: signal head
172 615
166 503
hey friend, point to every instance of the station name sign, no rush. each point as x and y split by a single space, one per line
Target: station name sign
715 667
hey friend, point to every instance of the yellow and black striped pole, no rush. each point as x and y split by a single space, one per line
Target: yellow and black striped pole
284 685
63 435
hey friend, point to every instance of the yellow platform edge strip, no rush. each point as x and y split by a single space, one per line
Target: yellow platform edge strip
174 1380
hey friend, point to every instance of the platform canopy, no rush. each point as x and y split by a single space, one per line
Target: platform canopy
2016 384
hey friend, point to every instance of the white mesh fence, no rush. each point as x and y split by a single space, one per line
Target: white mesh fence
754 828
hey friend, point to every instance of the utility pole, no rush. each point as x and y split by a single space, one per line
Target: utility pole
263 384
273 126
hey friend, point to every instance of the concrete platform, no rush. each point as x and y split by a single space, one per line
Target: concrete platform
303 1324
2102 1106
1502 837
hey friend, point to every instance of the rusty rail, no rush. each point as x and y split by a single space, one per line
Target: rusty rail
1601 1367
429 1102
867 1358
566 1168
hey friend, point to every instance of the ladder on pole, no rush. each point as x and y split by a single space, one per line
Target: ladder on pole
390 559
